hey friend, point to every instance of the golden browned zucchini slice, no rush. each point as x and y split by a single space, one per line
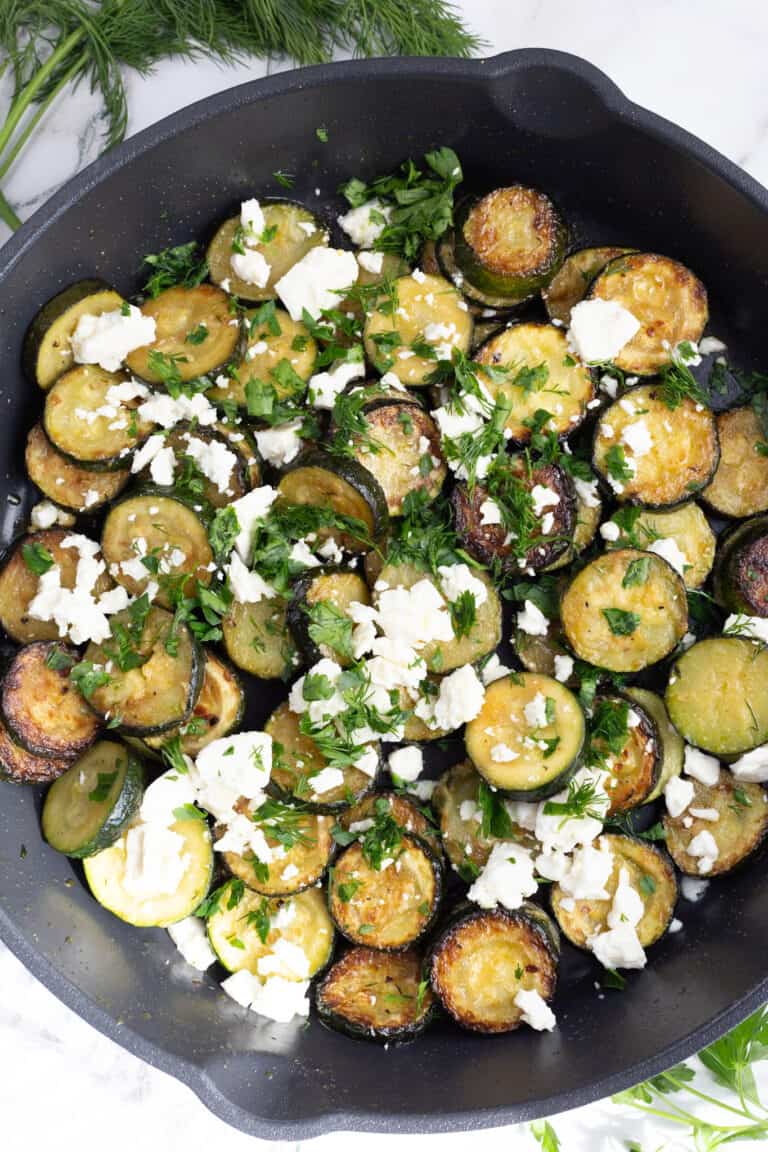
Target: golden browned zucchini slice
670 740
47 351
649 453
307 843
509 242
257 638
738 831
271 337
299 760
236 932
67 484
625 610
178 313
407 456
650 873
390 906
85 425
739 486
483 959
406 814
667 299
623 739
528 737
19 584
188 443
686 525
344 486
218 710
43 710
317 614
17 766
717 695
528 537
570 284
372 995
539 373
430 311
293 230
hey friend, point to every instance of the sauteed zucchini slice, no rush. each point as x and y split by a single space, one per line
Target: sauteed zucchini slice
94 801
458 799
271 341
671 744
178 313
623 738
537 653
484 958
625 610
739 486
342 485
665 296
528 737
47 351
729 675
86 426
218 710
42 708
389 906
686 525
741 573
69 485
238 937
317 614
406 814
571 282
589 513
189 444
733 812
257 639
290 230
18 766
301 864
407 456
373 995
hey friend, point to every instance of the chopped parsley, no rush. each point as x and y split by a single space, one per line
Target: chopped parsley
620 621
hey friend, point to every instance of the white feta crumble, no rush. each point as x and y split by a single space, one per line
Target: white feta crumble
610 531
214 459
534 1010
371 261
108 338
493 670
563 668
709 814
535 711
507 878
692 889
490 513
46 514
251 266
247 587
167 411
637 438
700 766
280 445
163 467
543 498
532 620
558 834
752 627
286 959
752 767
599 329
229 769
326 779
190 938
414 616
275 998
301 553
407 763
314 281
703 847
360 227
252 219
458 578
708 345
459 700
619 945
154 861
250 509
678 794
670 551
503 754
586 491
325 387
587 873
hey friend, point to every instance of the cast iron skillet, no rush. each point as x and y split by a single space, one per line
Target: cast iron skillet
621 175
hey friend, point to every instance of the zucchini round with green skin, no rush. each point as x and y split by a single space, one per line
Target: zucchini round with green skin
625 610
19 584
184 440
74 423
67 484
257 639
739 830
218 710
296 759
686 525
303 864
666 298
456 802
740 581
679 459
47 351
537 653
406 814
267 343
17 766
107 874
528 737
157 524
301 920
651 875
408 456
44 711
509 242
537 371
479 301
739 486
717 695
390 907
296 231
91 805
345 487
634 768
179 312
162 690
373 995
484 958
571 282
429 312
484 634
589 513
317 612
520 541
672 747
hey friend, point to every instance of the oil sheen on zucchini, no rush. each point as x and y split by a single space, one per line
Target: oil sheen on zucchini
625 610
67 484
177 312
569 285
42 708
184 440
633 769
387 907
160 691
741 573
667 299
294 230
484 958
650 873
408 456
671 743
47 351
373 995
405 812
257 639
238 937
528 737
318 607
739 831
739 486
681 458
88 807
218 710
717 695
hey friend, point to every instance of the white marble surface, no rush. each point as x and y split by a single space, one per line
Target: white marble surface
701 65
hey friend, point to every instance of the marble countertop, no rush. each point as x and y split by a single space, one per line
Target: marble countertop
703 68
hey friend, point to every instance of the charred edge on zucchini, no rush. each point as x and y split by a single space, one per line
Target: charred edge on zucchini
42 708
738 832
741 573
372 995
344 486
570 284
81 489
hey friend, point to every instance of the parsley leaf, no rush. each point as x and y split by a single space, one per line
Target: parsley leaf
181 265
620 621
37 558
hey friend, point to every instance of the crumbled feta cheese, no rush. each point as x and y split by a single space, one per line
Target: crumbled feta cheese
314 281
490 513
752 627
358 225
556 833
503 754
247 587
586 491
587 873
458 578
693 889
702 767
280 445
326 779
506 879
76 612
710 814
414 616
275 998
454 424
250 509
534 1010
190 938
610 531
704 848
532 620
230 768
459 700
752 767
599 329
637 438
214 459
147 452
407 763
371 261
670 551
542 498
301 553
325 387
710 344
170 790
493 670
154 861
286 959
251 266
678 794
166 411
563 668
162 467
46 514
252 219
535 711
107 339
619 947
609 385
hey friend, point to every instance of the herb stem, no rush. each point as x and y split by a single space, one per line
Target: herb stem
7 214
27 94
710 1099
